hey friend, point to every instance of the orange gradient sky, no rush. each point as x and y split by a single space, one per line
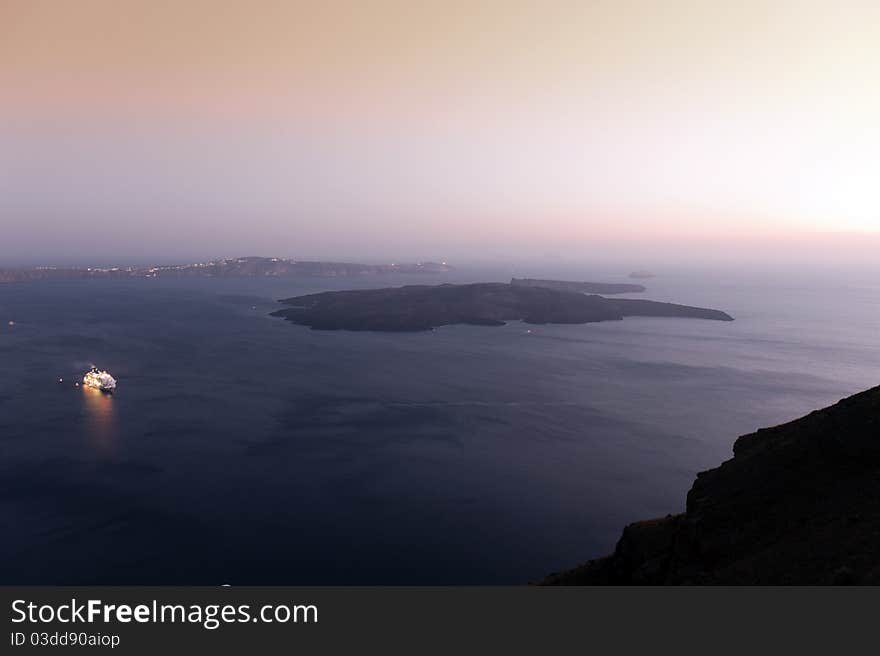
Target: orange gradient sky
205 128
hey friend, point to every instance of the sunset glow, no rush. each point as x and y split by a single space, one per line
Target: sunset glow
392 128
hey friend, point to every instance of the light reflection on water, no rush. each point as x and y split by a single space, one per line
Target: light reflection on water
100 418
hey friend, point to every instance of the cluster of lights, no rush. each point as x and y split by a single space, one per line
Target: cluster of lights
100 380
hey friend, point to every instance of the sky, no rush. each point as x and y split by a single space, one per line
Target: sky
190 129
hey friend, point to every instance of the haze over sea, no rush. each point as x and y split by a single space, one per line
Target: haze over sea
243 449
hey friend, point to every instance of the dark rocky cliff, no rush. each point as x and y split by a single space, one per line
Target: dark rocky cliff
797 504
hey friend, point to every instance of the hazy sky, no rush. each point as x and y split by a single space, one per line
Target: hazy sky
197 128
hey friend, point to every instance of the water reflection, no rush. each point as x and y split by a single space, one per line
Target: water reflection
100 418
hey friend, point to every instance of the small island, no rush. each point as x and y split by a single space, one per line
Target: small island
607 288
423 307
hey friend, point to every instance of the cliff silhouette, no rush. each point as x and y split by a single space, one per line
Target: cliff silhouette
798 504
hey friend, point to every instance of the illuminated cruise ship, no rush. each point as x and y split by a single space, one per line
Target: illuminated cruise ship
100 380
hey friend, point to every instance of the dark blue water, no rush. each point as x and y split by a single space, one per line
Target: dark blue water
242 449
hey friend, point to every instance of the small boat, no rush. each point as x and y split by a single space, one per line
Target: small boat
100 380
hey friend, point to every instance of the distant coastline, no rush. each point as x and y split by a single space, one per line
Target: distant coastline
241 267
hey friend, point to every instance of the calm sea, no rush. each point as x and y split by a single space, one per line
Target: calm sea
242 449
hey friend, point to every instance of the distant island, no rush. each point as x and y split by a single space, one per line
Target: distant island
423 307
241 267
641 274
582 287
798 504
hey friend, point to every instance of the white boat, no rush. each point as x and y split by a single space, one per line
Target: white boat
100 380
